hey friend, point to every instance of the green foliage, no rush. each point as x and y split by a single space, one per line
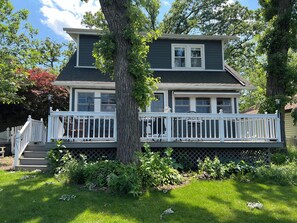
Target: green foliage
215 169
125 180
284 156
152 171
72 170
220 17
279 158
275 174
156 170
105 50
98 172
16 52
278 37
55 155
20 52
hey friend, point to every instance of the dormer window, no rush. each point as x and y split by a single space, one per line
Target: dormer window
188 56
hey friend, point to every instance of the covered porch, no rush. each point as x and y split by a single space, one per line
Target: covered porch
169 128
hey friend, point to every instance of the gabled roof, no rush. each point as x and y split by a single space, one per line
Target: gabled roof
227 79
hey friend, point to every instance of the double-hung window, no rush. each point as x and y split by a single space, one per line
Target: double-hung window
158 104
85 101
108 102
182 105
189 56
224 104
203 105
179 56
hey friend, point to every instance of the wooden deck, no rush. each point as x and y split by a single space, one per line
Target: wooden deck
98 145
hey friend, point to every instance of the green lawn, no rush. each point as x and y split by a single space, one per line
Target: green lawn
34 200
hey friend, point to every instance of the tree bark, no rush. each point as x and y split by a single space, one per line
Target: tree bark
128 134
277 57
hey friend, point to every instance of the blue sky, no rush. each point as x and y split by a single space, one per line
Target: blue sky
50 16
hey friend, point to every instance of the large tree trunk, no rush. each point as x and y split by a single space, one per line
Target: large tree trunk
128 134
277 56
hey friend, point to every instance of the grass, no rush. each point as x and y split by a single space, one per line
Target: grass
34 200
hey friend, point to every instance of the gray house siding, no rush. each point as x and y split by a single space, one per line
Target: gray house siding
72 73
160 53
86 43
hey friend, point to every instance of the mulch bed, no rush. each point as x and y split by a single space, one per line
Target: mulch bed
6 163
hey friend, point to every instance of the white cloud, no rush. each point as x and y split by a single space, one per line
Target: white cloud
230 2
165 3
58 14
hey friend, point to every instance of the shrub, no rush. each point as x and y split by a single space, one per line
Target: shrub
151 171
54 156
275 174
156 170
72 170
279 158
97 172
125 180
215 169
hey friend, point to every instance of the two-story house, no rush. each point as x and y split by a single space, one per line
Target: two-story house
196 113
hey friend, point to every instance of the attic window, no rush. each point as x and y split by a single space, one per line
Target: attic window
189 56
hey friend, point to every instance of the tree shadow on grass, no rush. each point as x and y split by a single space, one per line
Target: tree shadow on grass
34 200
277 201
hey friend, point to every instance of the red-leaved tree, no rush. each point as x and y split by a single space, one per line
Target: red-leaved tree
37 94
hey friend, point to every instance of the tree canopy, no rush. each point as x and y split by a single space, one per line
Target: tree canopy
21 51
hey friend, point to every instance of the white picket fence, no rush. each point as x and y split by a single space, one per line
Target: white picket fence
97 126
32 131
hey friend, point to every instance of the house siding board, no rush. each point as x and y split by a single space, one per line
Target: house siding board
291 130
216 77
86 43
160 53
72 73
170 101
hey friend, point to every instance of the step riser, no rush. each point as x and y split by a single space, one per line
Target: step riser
33 162
35 154
30 168
36 148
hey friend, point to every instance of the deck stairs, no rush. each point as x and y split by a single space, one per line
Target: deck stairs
34 157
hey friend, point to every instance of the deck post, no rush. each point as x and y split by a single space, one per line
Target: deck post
49 126
115 129
17 148
30 127
169 130
278 129
221 128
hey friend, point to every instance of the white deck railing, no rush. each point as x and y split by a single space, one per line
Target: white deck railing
97 126
32 131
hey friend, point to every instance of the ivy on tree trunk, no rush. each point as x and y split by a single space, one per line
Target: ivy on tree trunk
128 135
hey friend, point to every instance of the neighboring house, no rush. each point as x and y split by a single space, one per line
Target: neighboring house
290 128
196 113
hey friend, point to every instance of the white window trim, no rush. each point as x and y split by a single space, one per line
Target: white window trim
97 93
70 99
213 99
188 56
104 92
77 52
76 98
